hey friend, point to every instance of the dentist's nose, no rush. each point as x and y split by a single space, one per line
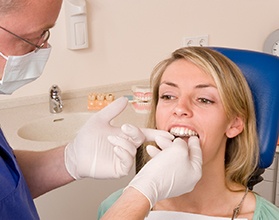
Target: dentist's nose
183 108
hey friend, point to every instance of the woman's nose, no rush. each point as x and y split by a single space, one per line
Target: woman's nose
183 108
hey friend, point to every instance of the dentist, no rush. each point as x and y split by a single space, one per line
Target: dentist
24 175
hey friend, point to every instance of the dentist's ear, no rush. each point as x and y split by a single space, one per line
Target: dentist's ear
235 127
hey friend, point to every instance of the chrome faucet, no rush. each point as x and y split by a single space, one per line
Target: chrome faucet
55 101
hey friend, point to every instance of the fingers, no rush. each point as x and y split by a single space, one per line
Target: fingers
195 152
152 151
123 144
139 135
125 151
150 134
113 109
134 134
163 142
126 161
194 141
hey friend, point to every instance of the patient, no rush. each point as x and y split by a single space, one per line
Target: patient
199 92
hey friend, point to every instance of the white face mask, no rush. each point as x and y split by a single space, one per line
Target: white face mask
20 70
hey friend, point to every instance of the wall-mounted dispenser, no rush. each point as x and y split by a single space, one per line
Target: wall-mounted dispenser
76 24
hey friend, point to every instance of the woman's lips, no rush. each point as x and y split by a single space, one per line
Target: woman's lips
182 132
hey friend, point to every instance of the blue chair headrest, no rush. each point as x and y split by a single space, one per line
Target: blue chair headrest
261 71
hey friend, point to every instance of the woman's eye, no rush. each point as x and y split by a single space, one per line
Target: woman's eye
167 97
205 101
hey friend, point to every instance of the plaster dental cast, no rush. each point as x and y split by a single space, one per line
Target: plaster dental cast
24 32
198 92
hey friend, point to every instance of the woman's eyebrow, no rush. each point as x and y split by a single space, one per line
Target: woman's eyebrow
169 84
199 86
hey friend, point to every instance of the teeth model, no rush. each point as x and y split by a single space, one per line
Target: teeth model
141 107
142 93
142 96
182 132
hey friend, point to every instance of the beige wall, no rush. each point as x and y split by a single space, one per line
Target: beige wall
127 38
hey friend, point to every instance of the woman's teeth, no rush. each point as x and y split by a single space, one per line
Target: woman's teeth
182 132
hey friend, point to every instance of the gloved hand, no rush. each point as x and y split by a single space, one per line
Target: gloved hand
92 154
171 172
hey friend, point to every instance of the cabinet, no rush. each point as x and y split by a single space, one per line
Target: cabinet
269 187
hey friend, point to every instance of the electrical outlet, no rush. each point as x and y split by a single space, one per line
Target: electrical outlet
200 41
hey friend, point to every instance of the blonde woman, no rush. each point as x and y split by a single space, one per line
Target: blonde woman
199 92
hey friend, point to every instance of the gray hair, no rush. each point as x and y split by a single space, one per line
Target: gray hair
7 6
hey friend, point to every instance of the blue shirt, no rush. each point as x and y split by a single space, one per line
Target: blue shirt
15 198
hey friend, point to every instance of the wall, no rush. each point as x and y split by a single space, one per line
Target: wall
127 38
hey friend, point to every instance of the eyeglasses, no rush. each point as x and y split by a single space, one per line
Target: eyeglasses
43 39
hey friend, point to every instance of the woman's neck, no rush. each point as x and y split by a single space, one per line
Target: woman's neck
211 196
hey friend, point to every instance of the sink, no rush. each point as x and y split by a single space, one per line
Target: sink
54 128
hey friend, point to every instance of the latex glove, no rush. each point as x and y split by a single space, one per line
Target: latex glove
171 172
132 139
91 154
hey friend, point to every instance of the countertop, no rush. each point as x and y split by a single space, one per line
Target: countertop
13 117
16 113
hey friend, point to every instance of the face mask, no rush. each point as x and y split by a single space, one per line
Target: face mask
21 70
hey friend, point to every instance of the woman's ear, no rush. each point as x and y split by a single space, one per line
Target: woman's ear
235 127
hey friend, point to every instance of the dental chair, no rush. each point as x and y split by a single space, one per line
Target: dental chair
261 71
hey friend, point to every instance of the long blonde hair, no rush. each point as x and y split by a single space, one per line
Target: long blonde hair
242 151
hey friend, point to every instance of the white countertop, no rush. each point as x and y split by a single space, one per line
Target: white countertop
80 199
11 119
14 117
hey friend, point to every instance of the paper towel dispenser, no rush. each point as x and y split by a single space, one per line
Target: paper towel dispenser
76 24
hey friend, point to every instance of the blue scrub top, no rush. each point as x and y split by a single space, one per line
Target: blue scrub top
15 198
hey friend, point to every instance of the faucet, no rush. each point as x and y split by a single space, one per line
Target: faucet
55 101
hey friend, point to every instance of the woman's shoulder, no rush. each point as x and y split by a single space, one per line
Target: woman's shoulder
108 202
265 210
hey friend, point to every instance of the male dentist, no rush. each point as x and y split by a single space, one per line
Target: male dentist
24 32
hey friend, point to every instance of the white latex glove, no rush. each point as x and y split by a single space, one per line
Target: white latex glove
91 154
171 172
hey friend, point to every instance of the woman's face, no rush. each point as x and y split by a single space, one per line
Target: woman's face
189 104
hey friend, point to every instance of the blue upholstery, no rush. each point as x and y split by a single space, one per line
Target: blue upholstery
261 71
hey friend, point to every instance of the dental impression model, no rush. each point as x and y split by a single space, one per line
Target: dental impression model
97 101
182 132
142 96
